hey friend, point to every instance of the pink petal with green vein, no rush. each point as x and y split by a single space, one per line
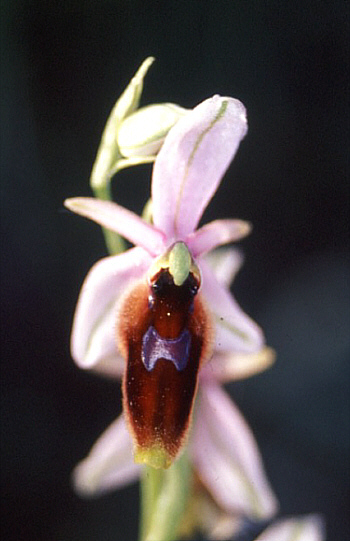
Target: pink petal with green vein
227 458
192 161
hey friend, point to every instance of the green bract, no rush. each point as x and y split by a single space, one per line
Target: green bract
108 153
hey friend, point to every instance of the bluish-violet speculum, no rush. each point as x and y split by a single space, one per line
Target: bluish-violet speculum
155 347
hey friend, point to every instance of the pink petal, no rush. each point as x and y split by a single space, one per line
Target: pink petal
102 348
192 161
225 262
216 233
109 464
122 221
227 458
225 367
307 528
235 331
93 333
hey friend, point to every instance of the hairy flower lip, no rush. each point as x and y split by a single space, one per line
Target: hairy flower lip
158 395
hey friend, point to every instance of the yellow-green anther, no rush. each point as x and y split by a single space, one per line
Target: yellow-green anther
143 132
180 262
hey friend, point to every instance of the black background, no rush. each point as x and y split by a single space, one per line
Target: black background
63 66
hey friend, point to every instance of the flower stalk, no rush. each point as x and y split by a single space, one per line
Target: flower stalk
164 496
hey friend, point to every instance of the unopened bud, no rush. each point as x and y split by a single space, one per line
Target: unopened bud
143 132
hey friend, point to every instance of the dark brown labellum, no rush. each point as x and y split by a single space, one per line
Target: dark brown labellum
165 334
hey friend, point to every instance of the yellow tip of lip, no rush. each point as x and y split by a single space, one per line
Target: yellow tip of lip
156 457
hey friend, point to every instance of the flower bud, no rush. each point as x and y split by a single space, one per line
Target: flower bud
142 133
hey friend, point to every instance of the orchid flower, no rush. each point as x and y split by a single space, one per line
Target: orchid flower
161 317
221 446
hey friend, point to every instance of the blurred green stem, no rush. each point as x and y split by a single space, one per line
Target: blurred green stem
164 495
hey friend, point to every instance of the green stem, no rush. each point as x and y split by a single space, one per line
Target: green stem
114 242
151 482
164 495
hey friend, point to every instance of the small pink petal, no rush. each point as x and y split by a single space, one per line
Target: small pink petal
122 221
235 331
192 161
93 333
227 458
216 233
307 528
225 263
226 367
109 464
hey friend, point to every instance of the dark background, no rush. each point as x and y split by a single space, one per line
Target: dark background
63 66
